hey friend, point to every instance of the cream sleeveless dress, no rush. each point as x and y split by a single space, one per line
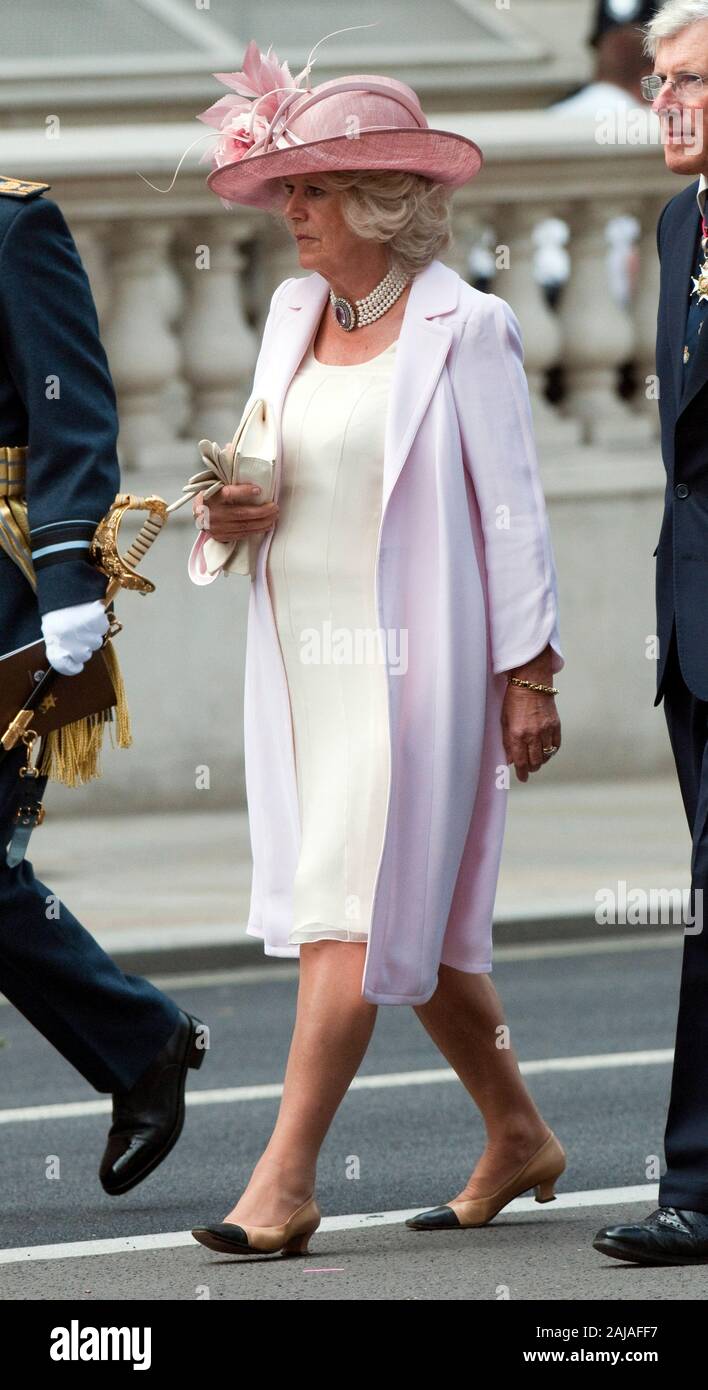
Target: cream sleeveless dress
321 576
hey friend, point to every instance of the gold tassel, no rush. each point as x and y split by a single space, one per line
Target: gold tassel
124 733
72 754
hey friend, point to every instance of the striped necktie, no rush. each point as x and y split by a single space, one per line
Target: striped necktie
696 311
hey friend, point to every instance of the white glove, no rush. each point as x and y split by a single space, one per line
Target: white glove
72 635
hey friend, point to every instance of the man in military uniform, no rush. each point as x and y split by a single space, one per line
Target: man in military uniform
619 63
58 430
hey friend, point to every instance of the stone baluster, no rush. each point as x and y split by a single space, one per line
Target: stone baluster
471 252
219 347
141 346
468 225
92 242
272 257
598 335
176 398
275 259
540 326
645 311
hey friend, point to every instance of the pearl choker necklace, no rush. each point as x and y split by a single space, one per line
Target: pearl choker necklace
373 305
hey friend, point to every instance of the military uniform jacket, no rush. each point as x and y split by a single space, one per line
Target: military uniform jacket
56 397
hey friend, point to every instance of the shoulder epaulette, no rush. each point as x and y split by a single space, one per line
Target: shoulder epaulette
21 188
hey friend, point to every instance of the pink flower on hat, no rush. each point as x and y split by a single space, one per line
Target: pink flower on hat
264 79
237 136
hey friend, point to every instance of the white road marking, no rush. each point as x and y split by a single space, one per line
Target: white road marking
230 1095
125 1245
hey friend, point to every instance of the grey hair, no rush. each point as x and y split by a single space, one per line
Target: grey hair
674 16
410 212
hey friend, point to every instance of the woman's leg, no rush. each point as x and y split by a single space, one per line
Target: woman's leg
333 1026
465 1020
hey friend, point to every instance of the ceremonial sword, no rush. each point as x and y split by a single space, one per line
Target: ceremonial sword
120 571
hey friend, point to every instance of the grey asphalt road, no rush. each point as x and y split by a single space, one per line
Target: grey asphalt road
414 1146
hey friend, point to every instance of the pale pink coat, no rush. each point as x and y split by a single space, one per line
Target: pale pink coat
465 563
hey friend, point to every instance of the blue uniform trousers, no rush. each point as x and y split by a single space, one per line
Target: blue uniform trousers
106 1024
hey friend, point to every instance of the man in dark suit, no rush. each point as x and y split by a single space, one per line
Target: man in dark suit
677 1232
58 431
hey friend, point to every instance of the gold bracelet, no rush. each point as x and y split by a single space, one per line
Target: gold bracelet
533 685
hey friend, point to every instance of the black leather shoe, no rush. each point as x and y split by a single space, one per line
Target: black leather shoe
148 1119
667 1237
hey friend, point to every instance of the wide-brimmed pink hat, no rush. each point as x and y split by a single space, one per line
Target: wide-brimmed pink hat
273 129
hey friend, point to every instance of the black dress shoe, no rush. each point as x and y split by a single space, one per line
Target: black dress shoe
148 1119
668 1236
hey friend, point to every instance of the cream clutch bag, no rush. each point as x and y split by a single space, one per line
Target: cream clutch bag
249 458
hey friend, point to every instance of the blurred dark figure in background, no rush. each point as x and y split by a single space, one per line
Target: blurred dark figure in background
620 63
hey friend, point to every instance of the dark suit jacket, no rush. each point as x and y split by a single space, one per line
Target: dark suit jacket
56 395
682 552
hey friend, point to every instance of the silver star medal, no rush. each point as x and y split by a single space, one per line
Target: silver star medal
700 281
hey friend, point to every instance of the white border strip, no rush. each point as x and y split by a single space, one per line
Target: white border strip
126 1245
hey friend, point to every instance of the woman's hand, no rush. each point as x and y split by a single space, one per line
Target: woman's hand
230 514
529 719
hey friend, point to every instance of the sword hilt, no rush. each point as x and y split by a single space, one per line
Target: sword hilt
104 552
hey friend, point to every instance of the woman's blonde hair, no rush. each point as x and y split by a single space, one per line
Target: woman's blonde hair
409 212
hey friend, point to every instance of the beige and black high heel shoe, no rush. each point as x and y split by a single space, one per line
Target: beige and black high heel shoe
292 1238
541 1171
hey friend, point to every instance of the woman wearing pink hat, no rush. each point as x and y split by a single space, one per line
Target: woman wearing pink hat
408 506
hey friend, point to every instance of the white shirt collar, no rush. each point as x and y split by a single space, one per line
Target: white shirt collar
701 194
